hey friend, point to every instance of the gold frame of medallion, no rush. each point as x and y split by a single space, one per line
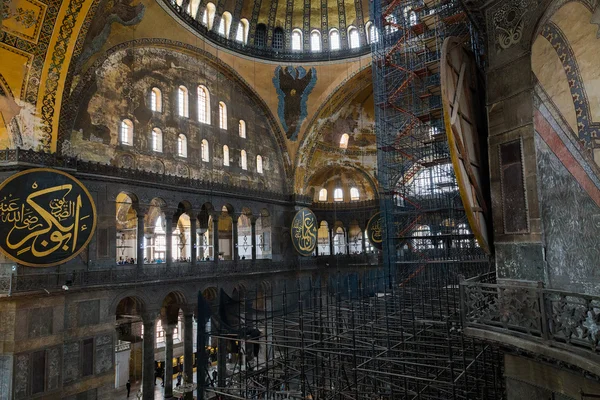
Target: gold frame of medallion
292 232
377 245
82 186
467 167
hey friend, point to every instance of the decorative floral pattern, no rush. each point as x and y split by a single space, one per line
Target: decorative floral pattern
588 130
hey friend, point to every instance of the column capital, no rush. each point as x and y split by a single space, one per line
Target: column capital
149 317
192 213
142 209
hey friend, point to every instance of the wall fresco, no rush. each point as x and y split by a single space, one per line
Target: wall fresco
293 85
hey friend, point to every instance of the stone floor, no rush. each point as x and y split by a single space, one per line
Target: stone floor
121 393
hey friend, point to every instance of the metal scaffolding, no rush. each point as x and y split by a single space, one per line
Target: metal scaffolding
354 336
394 332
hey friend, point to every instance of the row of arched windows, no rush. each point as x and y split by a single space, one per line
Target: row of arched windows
338 194
126 138
203 107
260 37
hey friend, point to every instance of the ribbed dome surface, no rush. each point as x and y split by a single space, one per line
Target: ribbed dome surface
313 29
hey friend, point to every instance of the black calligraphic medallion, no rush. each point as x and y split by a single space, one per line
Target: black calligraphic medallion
47 217
375 230
304 232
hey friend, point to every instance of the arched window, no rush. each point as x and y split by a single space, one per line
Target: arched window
344 141
323 194
192 7
412 18
278 39
226 155
259 164
260 36
353 38
225 24
334 39
354 195
242 128
156 100
243 160
181 145
126 132
315 41
203 105
204 150
297 40
222 115
157 142
182 101
422 241
390 26
242 31
209 15
338 195
372 34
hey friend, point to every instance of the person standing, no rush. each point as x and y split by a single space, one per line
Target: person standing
128 386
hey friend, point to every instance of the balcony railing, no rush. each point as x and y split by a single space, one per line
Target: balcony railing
556 318
11 282
11 156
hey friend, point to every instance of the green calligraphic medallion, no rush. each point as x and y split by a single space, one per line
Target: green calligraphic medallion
47 217
375 230
304 232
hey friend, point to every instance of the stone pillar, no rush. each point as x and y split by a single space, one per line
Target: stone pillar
140 237
148 355
188 347
168 377
148 250
347 236
364 241
169 239
253 233
234 226
193 224
216 238
331 246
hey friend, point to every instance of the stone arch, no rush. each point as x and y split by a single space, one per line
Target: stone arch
136 298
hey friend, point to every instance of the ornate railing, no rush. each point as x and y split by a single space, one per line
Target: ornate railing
557 318
266 53
126 274
10 156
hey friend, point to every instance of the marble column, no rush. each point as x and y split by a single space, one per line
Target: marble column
188 348
364 241
331 246
216 238
168 377
234 226
193 224
148 355
169 239
253 234
140 238
347 236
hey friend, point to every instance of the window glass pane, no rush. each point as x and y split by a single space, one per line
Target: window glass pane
354 38
323 195
338 195
278 39
334 42
315 41
296 41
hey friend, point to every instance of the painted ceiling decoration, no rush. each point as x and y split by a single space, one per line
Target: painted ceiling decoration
293 85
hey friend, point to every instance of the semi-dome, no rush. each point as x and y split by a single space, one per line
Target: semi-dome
282 30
